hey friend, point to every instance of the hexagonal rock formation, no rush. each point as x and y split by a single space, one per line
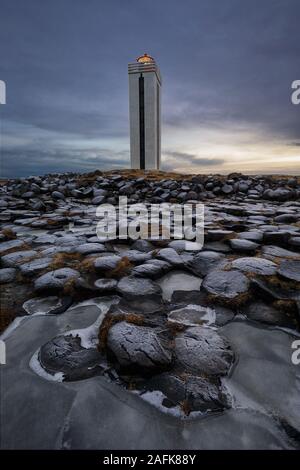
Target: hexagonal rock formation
131 286
192 392
290 269
261 266
201 350
66 355
55 280
226 285
140 346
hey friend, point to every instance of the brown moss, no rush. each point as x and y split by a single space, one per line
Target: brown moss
282 283
7 315
70 287
61 260
88 265
122 268
9 233
54 223
23 247
286 306
185 407
111 320
106 325
156 175
175 328
230 303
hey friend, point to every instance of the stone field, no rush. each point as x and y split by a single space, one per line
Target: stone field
122 344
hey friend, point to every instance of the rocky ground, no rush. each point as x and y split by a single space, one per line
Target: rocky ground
135 340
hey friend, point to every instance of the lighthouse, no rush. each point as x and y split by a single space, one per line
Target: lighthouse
145 113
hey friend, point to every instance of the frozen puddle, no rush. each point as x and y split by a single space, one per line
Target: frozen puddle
178 280
193 315
88 336
264 384
264 377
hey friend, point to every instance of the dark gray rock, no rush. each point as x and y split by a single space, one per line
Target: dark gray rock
294 242
197 393
10 245
66 355
286 218
132 286
201 350
204 261
98 200
35 266
137 346
45 239
58 195
47 305
262 312
223 315
107 263
219 247
253 236
16 258
7 275
170 255
136 257
278 237
271 292
192 315
55 280
255 265
142 245
226 285
105 285
154 269
243 246
89 248
278 252
227 189
217 235
290 269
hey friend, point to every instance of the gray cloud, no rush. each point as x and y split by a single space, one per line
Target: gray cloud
177 159
193 159
223 63
41 162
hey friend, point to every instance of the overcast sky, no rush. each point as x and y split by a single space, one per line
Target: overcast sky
227 68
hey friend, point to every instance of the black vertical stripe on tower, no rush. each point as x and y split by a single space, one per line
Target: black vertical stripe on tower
142 121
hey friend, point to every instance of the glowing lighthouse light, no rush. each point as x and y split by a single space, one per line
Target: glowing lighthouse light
144 113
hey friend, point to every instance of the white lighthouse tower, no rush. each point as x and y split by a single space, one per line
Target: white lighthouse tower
144 113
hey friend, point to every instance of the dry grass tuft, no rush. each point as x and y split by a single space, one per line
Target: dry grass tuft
285 306
106 325
9 233
275 281
134 318
88 265
7 315
62 260
175 328
70 287
123 267
234 304
185 407
111 320
23 247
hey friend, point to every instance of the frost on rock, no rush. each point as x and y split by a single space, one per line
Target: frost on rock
202 350
139 346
